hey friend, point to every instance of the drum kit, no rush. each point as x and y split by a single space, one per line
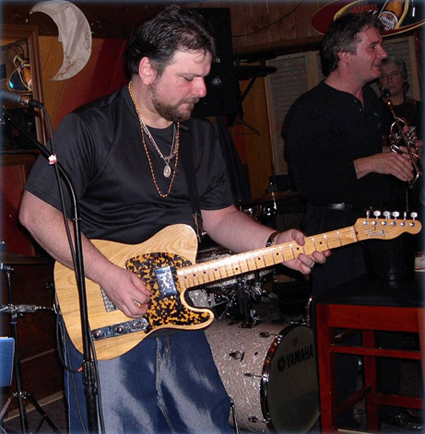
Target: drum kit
267 365
268 368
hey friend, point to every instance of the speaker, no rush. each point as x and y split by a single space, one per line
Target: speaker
223 93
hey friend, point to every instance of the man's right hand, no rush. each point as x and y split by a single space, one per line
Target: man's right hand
126 290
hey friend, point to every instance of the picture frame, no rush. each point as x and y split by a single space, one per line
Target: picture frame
20 74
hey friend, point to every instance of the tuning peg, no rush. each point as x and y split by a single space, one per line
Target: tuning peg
376 213
413 215
396 214
387 214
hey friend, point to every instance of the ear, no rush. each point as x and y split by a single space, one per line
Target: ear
343 56
147 72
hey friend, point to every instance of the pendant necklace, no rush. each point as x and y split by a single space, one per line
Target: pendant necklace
167 168
167 172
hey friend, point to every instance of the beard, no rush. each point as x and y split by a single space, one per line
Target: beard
172 112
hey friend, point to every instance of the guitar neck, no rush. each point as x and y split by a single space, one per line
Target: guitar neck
364 229
223 268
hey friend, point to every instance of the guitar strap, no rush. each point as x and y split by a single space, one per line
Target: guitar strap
186 149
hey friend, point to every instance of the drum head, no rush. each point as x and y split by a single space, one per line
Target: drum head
289 388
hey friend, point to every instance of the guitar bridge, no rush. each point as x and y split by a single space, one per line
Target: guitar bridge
120 329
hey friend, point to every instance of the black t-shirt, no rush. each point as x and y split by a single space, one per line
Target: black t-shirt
324 131
100 146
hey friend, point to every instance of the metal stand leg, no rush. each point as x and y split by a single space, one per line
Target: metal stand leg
20 393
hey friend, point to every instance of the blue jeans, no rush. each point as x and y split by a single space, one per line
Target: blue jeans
163 385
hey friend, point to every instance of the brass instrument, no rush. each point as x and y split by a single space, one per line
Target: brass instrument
398 137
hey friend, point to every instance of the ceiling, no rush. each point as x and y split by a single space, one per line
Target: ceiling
107 19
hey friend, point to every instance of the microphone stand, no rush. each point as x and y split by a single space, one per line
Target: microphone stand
88 368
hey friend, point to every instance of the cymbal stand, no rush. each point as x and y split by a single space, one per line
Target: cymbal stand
249 320
20 394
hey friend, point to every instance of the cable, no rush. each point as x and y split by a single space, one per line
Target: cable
61 332
60 187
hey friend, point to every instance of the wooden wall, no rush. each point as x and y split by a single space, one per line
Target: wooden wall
265 24
257 27
103 74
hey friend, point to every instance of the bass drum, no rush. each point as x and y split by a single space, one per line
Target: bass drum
269 373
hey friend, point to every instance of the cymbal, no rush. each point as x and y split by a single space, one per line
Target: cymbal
274 196
8 258
278 195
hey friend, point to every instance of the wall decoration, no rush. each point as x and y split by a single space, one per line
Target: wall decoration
74 34
398 16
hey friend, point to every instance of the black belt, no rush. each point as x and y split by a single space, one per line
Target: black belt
341 206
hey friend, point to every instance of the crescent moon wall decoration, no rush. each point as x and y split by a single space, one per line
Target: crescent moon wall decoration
74 34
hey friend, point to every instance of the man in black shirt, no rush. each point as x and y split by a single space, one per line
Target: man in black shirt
125 156
333 143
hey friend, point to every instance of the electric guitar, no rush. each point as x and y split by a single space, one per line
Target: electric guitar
166 264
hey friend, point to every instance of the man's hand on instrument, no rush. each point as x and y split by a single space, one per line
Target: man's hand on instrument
127 291
304 263
385 163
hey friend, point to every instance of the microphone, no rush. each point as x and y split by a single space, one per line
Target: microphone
16 98
386 92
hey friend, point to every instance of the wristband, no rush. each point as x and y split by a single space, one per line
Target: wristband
272 238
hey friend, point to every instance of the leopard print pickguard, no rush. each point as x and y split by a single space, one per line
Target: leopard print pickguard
166 307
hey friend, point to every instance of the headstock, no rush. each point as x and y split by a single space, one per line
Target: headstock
388 227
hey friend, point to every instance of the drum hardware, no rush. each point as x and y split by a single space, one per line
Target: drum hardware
233 414
254 419
237 355
247 312
308 307
267 334
237 294
20 309
15 311
250 210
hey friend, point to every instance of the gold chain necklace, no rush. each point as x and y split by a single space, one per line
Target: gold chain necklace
174 150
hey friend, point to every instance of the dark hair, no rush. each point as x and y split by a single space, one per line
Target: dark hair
173 29
342 37
401 65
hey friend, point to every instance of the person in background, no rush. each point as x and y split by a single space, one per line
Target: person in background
394 81
333 143
394 77
127 156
